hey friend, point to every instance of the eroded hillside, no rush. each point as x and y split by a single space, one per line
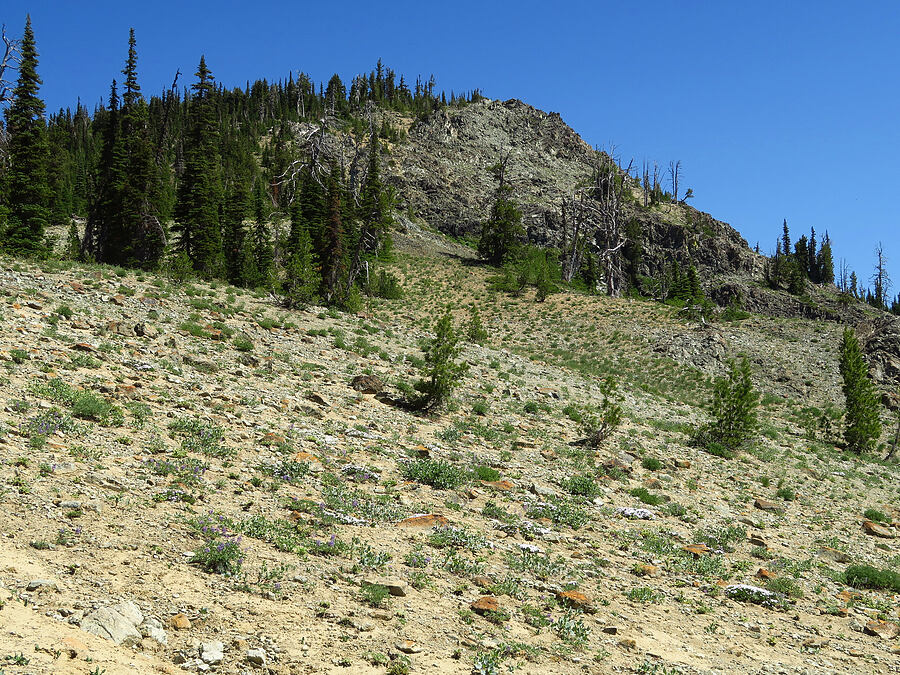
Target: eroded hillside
159 435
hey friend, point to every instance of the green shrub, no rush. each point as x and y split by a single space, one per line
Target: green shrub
862 426
475 332
651 464
583 485
487 473
19 355
877 516
786 493
480 407
647 497
865 576
436 473
243 344
387 286
600 422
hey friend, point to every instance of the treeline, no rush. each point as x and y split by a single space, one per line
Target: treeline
196 179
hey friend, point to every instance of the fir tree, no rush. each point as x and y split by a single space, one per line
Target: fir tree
27 189
502 230
301 276
263 252
333 250
199 191
235 233
825 262
862 426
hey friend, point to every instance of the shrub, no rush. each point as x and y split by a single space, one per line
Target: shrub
386 286
599 423
19 355
651 464
475 332
583 485
487 473
243 344
786 493
877 516
862 426
436 473
647 497
865 576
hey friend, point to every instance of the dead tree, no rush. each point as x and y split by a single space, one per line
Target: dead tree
9 63
674 176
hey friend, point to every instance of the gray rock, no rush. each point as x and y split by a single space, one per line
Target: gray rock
38 584
257 656
152 628
396 587
117 623
212 652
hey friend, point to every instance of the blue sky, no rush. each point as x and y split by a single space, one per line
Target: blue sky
776 110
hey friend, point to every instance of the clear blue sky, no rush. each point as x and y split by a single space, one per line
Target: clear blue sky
776 110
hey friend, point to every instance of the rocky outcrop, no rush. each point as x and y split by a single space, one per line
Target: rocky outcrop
442 175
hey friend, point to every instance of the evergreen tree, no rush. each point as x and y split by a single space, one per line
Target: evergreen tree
199 191
263 252
825 262
862 426
235 233
301 276
27 189
440 372
502 230
785 239
733 407
333 250
813 265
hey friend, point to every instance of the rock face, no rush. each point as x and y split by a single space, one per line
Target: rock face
881 344
443 176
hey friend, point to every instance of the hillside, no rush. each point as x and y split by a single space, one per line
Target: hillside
144 418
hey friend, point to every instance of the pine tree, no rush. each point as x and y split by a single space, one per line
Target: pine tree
440 372
733 407
502 230
27 188
199 191
862 426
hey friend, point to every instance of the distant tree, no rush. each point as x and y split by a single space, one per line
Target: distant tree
502 230
333 251
263 250
302 279
199 190
786 239
825 261
862 426
26 179
234 232
880 279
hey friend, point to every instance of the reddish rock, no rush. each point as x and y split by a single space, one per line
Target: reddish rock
76 286
428 520
482 582
73 647
180 622
653 483
763 573
502 485
696 550
682 464
272 438
886 630
577 600
83 347
485 604
877 530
